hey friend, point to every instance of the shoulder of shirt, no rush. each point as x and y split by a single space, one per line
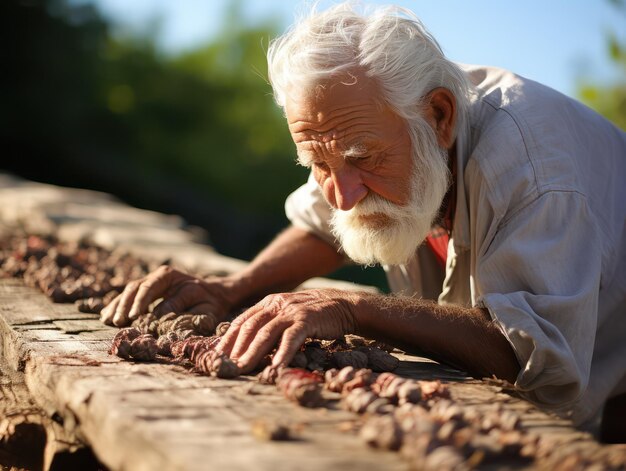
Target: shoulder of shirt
520 137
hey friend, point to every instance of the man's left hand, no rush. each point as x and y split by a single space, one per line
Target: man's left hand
290 318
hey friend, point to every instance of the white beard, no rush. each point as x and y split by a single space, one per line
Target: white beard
379 231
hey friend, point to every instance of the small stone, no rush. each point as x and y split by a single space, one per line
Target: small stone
268 430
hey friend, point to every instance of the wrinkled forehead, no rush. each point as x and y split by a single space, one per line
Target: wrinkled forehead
314 102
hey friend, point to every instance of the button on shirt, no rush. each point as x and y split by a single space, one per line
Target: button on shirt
539 238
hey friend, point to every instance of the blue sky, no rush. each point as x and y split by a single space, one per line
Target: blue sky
557 42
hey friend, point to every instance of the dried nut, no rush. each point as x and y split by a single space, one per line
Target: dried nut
204 324
301 386
222 328
165 326
183 322
330 375
185 334
379 360
194 347
409 392
298 360
121 348
379 406
433 389
90 305
358 400
170 316
355 359
128 333
382 432
445 458
217 364
362 379
143 348
316 357
269 375
164 343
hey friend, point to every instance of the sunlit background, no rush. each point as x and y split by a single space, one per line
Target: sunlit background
164 103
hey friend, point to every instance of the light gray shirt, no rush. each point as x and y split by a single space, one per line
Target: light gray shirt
539 238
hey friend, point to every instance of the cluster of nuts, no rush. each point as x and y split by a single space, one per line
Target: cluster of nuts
184 325
70 272
320 356
416 417
131 344
441 434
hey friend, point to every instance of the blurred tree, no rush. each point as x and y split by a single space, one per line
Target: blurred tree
196 135
610 100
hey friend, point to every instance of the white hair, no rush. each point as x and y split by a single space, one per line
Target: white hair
393 48
389 43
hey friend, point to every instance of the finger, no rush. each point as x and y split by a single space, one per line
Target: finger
189 294
263 343
154 287
293 338
230 337
107 313
120 318
249 330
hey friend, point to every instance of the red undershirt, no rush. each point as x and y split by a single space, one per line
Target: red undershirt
437 239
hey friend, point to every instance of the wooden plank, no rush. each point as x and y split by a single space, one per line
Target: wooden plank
143 416
29 438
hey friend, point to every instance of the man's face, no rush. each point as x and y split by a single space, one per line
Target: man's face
361 155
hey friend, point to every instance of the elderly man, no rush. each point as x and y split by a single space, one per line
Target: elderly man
499 198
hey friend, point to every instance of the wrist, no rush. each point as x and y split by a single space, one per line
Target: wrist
356 307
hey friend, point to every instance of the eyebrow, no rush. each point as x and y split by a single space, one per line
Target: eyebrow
307 158
355 150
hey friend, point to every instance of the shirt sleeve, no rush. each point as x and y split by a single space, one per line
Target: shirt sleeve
539 278
307 209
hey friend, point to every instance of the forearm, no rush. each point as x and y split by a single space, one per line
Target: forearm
293 257
464 337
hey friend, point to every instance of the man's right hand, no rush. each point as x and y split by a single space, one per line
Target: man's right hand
180 292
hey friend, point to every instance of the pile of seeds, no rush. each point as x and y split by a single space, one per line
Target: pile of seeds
69 272
421 421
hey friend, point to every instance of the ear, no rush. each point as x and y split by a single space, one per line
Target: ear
441 115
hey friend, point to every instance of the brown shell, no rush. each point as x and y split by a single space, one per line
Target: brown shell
355 359
183 322
222 328
204 324
379 360
144 348
299 360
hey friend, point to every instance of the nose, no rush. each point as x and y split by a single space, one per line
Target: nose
345 188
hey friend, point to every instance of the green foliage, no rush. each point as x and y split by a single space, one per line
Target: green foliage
197 135
83 108
610 100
